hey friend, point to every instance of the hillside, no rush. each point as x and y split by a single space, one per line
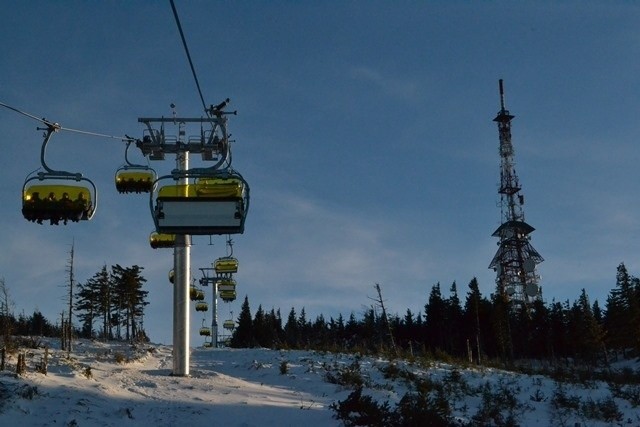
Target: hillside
116 384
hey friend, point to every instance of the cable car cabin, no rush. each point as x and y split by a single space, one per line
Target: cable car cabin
229 324
210 206
226 285
57 203
226 265
135 180
205 331
202 306
207 344
228 296
158 240
196 294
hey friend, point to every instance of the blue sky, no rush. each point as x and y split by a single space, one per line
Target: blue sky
364 128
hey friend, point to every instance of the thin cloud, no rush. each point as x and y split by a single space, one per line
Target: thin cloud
394 87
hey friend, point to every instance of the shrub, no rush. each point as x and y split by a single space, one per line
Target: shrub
418 409
284 367
359 410
349 376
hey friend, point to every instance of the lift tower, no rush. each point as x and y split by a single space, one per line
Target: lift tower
515 261
205 201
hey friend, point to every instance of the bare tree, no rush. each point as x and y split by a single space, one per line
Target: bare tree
6 317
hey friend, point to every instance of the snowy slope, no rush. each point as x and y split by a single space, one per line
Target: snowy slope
116 384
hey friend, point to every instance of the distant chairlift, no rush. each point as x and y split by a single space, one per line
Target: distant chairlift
229 325
226 284
226 265
205 331
202 306
196 294
159 241
228 296
131 178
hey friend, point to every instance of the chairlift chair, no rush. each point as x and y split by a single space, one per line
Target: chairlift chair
56 196
158 240
226 265
211 205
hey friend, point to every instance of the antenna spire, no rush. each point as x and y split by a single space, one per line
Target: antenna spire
501 94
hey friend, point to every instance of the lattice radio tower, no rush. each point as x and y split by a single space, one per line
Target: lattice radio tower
515 261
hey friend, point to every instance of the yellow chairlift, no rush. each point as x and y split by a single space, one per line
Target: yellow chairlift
202 306
211 205
159 241
132 178
48 195
226 284
57 203
196 294
229 325
228 296
205 331
226 265
207 343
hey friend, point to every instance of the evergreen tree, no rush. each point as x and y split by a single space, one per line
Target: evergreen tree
455 343
304 327
131 299
243 334
260 328
589 335
292 330
501 323
619 312
539 342
39 325
435 319
476 312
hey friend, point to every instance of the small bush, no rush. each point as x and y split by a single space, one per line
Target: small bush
604 410
87 372
349 376
417 409
120 357
359 410
284 367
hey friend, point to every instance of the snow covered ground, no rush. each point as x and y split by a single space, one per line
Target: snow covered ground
116 384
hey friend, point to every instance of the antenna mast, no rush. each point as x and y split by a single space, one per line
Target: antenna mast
515 261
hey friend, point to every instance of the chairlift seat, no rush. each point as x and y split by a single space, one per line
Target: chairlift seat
208 207
226 285
196 294
226 265
229 324
135 180
57 202
228 296
158 240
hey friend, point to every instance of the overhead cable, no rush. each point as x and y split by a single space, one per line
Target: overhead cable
58 127
186 49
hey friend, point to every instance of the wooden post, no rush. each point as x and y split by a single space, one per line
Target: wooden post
21 367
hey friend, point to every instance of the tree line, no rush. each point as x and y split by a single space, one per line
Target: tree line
110 305
476 328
